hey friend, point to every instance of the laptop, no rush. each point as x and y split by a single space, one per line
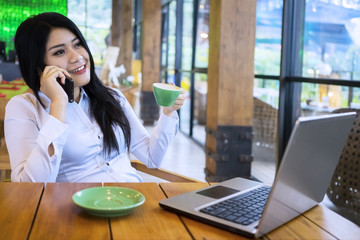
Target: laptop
308 163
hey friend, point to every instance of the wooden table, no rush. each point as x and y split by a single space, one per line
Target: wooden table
32 211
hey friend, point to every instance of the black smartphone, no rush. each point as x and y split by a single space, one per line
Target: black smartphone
68 87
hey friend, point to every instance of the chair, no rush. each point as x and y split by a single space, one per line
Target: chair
161 173
344 188
264 124
5 168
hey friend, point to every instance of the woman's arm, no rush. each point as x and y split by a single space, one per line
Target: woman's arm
29 133
150 149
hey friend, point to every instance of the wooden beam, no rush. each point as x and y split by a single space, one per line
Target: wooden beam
151 40
115 23
151 50
231 62
232 25
126 35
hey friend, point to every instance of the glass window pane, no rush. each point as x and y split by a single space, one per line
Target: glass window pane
167 76
164 36
170 76
162 76
97 44
187 34
268 37
267 91
172 35
99 14
76 12
264 145
94 23
199 121
318 99
331 39
202 38
185 110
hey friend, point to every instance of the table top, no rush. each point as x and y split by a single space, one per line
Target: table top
35 211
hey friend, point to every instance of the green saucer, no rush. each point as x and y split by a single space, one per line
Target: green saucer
108 201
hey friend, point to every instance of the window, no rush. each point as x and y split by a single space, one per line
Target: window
266 85
94 20
331 51
268 37
202 40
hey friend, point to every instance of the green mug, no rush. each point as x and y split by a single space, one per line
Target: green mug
165 94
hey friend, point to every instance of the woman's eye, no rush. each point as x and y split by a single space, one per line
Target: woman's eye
78 44
59 52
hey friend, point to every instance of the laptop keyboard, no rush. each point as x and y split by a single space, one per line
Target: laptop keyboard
243 209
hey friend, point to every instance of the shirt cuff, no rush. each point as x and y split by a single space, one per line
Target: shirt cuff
168 124
52 130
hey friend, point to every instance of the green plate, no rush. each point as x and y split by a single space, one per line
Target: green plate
108 201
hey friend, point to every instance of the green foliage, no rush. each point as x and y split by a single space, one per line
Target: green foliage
267 60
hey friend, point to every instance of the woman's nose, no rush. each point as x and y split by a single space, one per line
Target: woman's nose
75 56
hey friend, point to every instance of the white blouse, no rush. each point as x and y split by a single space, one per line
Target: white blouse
78 143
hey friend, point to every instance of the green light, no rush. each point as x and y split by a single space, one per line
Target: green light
13 12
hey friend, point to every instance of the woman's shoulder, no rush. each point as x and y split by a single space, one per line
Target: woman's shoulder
28 97
117 91
25 100
118 95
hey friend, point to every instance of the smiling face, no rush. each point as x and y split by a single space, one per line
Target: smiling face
65 50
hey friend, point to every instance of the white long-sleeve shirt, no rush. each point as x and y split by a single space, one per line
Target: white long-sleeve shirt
78 143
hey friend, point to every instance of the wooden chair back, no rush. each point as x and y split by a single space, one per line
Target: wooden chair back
344 188
264 124
161 173
5 169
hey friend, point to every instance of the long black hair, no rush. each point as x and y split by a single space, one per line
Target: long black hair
30 42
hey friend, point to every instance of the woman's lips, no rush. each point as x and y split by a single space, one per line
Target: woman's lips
79 70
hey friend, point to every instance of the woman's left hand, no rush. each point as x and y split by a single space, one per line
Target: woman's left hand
177 104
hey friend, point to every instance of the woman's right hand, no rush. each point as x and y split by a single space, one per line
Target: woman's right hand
52 89
49 85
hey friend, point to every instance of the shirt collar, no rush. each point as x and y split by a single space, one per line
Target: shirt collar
83 95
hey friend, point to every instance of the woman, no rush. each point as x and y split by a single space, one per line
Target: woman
88 140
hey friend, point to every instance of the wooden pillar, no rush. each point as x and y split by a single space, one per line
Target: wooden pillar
115 23
126 35
232 26
151 40
121 31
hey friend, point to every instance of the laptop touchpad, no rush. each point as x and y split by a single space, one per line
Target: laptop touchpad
218 192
